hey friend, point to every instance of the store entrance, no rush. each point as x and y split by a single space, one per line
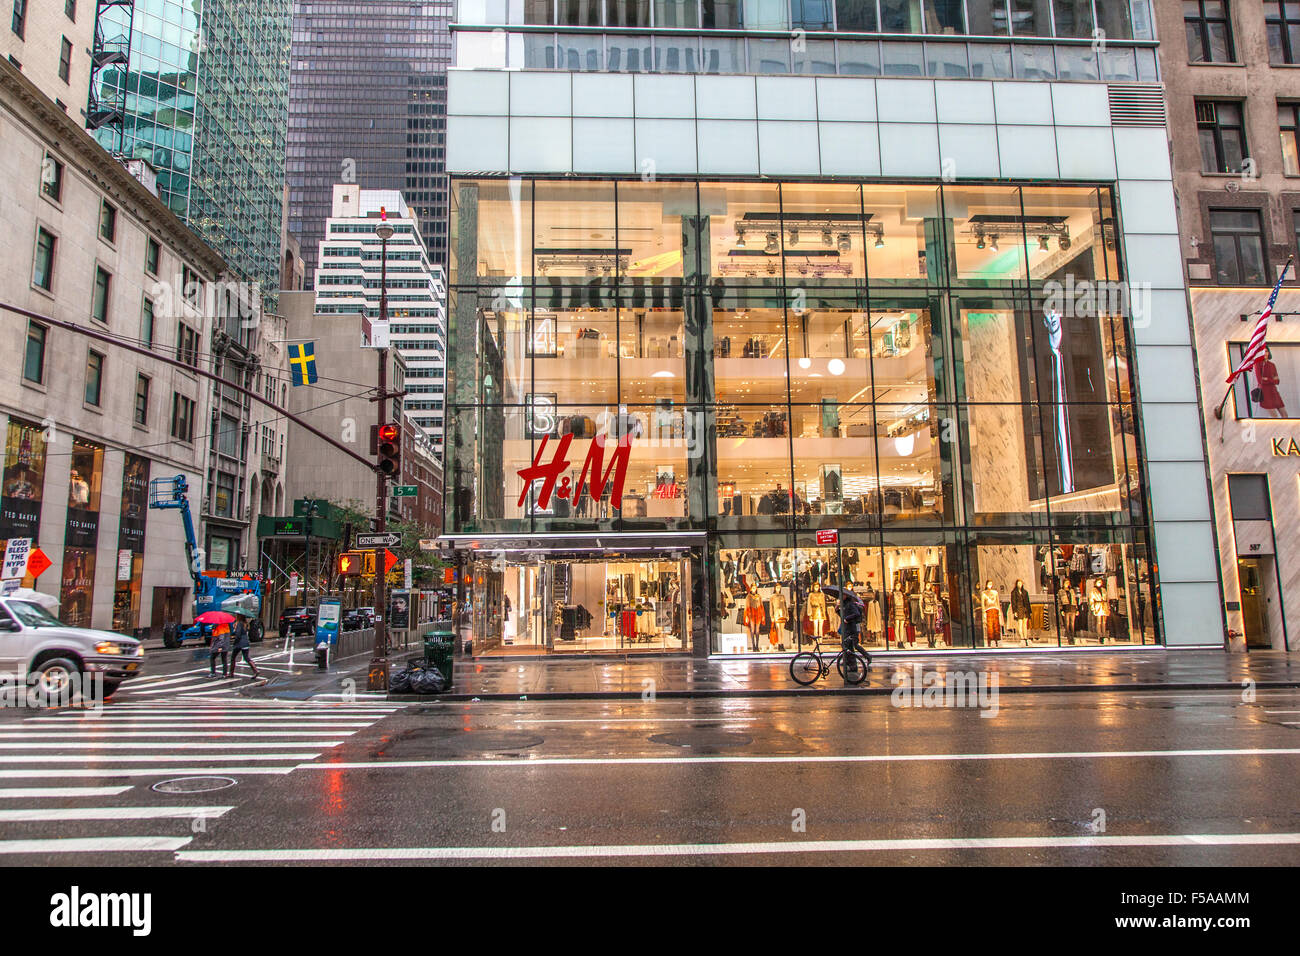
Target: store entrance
1254 612
602 604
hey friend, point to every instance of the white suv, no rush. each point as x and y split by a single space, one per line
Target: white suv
38 647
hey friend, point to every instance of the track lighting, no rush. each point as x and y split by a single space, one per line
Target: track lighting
773 246
844 244
1064 241
740 239
993 243
794 237
979 243
827 239
880 240
1042 243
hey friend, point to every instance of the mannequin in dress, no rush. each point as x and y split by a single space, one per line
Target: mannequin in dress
817 609
899 613
754 616
874 621
991 607
1269 397
1069 600
1020 610
1099 610
780 614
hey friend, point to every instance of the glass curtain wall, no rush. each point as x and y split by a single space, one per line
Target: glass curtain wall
940 374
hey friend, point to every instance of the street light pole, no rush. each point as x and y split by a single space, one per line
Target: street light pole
377 679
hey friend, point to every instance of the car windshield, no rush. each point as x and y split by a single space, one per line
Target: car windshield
33 615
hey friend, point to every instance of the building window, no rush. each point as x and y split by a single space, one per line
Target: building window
1282 22
142 400
1238 237
1288 122
146 324
20 18
224 496
182 417
65 60
94 377
34 359
151 253
1223 140
1272 389
187 345
107 221
1209 31
99 302
52 177
1248 495
70 10
43 269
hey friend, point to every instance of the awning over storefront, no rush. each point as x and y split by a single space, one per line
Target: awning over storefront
577 543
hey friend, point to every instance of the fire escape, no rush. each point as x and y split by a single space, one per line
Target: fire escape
109 59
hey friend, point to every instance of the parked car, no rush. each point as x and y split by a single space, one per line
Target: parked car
298 620
358 618
37 647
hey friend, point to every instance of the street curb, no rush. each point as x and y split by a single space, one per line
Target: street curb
837 691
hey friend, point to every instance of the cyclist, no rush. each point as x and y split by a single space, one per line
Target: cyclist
850 628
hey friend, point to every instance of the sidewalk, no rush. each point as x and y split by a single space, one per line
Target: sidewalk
623 678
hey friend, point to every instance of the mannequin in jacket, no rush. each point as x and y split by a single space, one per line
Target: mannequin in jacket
930 613
817 609
1069 601
873 620
780 614
754 616
991 607
1099 609
899 613
1020 610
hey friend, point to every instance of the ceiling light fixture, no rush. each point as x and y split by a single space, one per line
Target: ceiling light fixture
1042 243
772 246
993 242
794 237
827 238
740 239
844 244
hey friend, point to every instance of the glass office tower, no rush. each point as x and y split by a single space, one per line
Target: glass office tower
205 104
368 105
752 303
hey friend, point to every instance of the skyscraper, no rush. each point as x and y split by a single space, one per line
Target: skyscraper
367 105
203 97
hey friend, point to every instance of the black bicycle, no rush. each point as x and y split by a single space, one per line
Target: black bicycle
851 662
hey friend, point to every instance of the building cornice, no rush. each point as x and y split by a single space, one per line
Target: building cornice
96 163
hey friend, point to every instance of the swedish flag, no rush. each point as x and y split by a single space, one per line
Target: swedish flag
302 363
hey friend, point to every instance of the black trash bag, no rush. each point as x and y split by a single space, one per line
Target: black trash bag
428 680
400 681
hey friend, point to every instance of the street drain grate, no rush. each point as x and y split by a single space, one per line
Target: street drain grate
193 784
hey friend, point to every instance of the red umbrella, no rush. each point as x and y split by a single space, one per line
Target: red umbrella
215 617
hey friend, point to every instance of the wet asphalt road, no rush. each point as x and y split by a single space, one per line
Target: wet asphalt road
818 780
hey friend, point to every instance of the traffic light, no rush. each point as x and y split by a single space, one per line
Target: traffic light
350 564
387 446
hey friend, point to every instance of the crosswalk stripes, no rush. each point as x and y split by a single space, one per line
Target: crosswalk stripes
78 781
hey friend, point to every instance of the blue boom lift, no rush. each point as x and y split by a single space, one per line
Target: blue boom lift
210 594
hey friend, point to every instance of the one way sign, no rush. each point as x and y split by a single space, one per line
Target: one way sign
390 539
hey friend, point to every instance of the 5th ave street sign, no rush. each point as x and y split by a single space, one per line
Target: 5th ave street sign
406 491
389 539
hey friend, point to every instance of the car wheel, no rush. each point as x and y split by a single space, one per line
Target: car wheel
55 680
255 633
169 636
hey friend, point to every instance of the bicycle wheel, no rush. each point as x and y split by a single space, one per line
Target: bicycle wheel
805 668
856 675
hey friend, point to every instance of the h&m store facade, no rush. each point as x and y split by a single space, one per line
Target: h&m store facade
661 392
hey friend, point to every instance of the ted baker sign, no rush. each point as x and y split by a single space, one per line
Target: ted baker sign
1285 448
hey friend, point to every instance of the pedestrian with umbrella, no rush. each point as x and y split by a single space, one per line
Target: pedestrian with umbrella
239 645
220 643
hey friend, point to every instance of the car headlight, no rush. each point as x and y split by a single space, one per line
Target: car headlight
108 647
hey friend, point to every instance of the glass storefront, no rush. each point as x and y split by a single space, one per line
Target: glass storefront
940 373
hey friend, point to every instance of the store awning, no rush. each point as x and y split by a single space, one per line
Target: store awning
577 543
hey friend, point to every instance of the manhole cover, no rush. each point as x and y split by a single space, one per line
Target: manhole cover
193 784
703 739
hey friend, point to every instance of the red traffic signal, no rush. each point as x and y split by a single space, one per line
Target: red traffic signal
350 564
386 443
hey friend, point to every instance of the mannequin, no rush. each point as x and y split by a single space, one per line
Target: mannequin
817 609
899 613
1020 610
753 616
873 620
1069 599
780 614
930 613
1099 609
991 607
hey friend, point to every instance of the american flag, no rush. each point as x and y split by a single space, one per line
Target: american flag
1255 350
